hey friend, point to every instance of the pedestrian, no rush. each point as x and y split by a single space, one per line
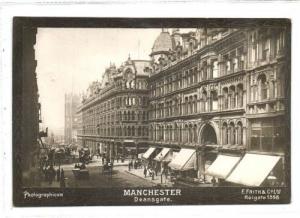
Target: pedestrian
145 172
213 181
62 179
98 153
156 170
152 173
57 175
51 174
129 165
102 160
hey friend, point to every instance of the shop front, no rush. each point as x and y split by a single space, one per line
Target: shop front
183 167
163 158
221 168
149 155
257 170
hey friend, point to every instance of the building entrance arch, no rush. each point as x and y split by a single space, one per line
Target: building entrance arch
208 135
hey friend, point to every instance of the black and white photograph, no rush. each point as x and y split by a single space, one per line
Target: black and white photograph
151 111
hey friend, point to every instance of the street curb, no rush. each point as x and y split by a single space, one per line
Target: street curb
141 177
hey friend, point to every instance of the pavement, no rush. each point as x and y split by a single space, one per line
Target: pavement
157 180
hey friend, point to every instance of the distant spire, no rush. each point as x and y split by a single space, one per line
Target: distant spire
129 56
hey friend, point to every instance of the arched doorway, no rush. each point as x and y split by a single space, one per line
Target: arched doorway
208 135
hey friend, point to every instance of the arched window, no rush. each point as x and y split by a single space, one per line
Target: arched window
232 96
195 134
176 132
225 134
262 87
204 101
195 104
176 107
186 134
232 134
214 100
239 133
240 95
129 131
186 105
125 131
190 105
190 134
180 134
225 98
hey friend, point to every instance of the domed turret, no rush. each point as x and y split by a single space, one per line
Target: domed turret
163 44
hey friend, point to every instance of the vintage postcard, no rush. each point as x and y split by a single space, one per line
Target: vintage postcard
151 111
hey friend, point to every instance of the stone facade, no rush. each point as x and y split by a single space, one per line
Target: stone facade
220 90
217 90
115 112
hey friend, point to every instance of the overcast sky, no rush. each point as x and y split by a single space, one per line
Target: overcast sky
69 59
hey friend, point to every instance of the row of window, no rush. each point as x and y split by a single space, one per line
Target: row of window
119 102
265 48
133 84
132 115
230 63
135 131
231 134
192 105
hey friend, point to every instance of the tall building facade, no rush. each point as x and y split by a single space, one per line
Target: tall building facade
218 91
212 91
72 122
115 112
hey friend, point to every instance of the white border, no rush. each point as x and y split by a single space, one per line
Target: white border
248 10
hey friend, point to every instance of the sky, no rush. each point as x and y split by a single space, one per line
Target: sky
69 59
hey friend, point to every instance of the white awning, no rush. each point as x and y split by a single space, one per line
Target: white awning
222 166
184 160
253 169
147 154
162 154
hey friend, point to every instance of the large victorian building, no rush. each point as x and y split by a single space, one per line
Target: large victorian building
220 91
114 114
214 95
